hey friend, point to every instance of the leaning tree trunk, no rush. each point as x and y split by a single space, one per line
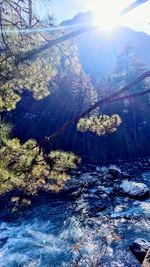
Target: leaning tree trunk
30 12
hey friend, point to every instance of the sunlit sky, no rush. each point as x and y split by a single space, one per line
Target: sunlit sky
138 19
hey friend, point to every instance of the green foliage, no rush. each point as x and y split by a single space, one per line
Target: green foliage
100 125
5 130
24 166
58 65
18 203
19 34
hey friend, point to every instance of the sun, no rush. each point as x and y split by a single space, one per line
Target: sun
106 14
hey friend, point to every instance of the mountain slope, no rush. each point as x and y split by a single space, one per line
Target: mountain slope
98 49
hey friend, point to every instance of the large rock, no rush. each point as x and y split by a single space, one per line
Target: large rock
134 190
71 192
125 175
96 205
139 248
114 171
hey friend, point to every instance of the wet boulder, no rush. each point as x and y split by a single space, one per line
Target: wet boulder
94 190
96 206
125 175
107 180
139 248
96 201
134 189
71 192
114 171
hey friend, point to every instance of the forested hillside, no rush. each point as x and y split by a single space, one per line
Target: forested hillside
96 65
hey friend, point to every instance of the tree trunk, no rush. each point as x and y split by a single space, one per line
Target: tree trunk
30 12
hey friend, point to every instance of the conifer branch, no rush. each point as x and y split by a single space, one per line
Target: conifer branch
112 98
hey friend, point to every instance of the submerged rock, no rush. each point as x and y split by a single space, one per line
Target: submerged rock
3 241
139 248
135 190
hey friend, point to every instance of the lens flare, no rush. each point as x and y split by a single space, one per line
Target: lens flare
106 14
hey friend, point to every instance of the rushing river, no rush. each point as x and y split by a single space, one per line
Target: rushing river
56 234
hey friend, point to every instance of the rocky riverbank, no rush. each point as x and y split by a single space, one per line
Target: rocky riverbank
97 216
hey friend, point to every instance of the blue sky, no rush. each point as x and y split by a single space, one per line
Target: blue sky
138 19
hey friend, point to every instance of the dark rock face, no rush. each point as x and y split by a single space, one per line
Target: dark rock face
98 206
134 189
139 248
95 205
71 192
114 171
108 177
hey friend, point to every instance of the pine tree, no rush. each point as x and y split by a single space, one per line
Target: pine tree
19 34
127 67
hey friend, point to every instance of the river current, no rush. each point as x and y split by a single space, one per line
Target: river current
57 234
